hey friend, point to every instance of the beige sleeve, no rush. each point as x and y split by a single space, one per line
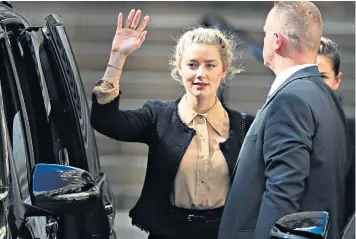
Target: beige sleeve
106 90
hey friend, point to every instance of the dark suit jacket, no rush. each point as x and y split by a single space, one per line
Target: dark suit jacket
294 158
350 179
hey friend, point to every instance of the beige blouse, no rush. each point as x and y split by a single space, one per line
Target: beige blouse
202 180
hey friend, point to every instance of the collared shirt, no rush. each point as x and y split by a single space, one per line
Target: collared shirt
284 75
202 180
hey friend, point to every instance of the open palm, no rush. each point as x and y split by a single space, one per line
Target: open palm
131 37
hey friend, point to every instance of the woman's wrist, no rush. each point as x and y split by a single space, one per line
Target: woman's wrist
115 68
115 65
112 73
117 60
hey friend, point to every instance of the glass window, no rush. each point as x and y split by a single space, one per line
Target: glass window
20 154
4 161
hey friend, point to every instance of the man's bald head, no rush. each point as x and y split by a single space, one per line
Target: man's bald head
300 22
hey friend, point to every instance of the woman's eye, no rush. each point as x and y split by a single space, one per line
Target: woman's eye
324 76
210 65
192 64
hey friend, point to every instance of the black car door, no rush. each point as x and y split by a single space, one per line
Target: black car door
349 230
71 109
20 146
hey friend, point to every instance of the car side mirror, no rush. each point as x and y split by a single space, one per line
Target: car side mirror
302 225
62 190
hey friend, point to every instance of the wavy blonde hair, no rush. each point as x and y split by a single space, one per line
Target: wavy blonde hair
210 36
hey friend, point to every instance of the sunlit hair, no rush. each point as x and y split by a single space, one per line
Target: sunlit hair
208 36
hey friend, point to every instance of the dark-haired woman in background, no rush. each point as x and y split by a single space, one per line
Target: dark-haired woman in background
328 62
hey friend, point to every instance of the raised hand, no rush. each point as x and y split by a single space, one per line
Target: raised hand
131 37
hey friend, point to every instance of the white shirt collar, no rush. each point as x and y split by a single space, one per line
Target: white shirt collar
284 75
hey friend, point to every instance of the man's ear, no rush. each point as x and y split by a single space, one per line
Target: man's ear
278 41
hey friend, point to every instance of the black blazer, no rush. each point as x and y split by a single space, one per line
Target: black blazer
294 158
158 125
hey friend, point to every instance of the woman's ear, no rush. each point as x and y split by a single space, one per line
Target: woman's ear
179 68
338 80
224 73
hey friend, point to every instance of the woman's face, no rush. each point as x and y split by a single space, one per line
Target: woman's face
201 69
326 70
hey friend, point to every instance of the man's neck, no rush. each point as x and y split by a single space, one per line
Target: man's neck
285 63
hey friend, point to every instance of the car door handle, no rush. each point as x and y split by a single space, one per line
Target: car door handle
109 209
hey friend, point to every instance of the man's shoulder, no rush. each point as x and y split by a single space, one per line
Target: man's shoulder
306 88
307 83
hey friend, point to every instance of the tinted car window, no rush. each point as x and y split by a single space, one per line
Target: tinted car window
4 172
4 163
20 154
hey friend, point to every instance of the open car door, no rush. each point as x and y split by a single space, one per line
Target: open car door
70 109
349 230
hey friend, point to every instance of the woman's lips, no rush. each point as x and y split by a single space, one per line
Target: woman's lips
200 85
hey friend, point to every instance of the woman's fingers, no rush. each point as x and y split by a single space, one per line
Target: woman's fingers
143 24
142 38
119 22
130 18
135 21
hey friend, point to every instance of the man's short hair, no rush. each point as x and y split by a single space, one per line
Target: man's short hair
300 23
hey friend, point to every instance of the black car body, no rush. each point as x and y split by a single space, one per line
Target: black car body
44 119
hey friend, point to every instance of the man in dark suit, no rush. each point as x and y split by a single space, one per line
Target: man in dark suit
295 155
